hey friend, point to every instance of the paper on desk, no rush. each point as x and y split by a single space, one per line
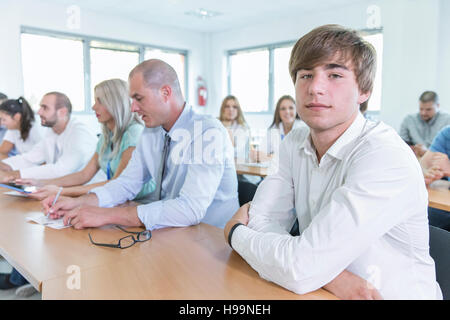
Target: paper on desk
46 221
257 164
16 193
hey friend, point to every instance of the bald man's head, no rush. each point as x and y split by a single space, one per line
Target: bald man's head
156 73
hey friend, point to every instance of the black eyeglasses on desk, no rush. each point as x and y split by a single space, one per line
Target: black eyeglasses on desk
127 241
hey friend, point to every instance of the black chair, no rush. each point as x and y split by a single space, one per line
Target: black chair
440 252
246 191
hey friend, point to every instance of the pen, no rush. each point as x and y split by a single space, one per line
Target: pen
56 198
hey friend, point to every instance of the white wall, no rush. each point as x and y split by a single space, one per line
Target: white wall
416 47
17 13
416 55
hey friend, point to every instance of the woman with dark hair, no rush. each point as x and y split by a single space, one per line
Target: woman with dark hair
23 132
285 119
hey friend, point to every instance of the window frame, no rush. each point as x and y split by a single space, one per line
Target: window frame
270 48
374 114
86 41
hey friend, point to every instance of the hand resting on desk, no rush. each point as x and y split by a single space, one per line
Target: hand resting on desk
346 285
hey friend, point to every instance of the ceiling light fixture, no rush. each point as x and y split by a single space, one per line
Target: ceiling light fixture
203 13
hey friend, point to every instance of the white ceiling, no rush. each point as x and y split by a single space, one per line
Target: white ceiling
235 13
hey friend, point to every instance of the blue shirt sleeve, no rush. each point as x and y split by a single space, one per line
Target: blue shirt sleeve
441 142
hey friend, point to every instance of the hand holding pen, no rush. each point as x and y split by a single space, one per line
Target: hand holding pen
57 196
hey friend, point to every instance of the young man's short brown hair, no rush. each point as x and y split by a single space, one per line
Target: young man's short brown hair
333 41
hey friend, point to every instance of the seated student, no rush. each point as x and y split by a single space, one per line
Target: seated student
23 132
285 119
189 155
435 162
419 129
233 120
436 165
3 97
121 130
65 149
354 187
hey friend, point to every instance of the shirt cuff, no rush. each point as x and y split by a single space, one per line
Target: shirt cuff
239 240
105 200
150 214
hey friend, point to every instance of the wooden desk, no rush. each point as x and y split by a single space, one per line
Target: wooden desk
181 263
177 263
252 170
40 253
439 195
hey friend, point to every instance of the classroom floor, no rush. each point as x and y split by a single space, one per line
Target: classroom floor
11 294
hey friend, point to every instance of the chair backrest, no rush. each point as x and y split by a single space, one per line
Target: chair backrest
246 191
440 252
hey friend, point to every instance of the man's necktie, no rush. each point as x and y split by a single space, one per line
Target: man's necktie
162 167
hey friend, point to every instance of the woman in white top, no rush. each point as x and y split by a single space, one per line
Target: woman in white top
23 132
232 118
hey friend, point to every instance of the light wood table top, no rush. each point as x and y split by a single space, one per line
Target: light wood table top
41 253
177 263
439 195
181 263
242 168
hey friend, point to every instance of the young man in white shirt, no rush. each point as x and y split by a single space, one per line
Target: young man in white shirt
354 186
66 148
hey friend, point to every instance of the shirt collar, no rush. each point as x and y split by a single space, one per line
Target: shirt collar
338 150
181 122
432 120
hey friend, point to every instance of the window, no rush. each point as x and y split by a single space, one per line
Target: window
376 39
75 64
46 68
110 63
250 80
259 77
282 81
176 60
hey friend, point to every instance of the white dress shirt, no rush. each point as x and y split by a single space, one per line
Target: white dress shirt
22 146
363 208
274 136
193 190
63 153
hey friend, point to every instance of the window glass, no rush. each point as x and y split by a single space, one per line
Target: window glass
375 99
250 80
176 61
282 82
52 64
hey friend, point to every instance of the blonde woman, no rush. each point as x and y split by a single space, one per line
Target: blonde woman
232 118
121 130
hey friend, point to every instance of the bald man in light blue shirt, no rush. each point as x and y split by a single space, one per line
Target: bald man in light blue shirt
188 155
